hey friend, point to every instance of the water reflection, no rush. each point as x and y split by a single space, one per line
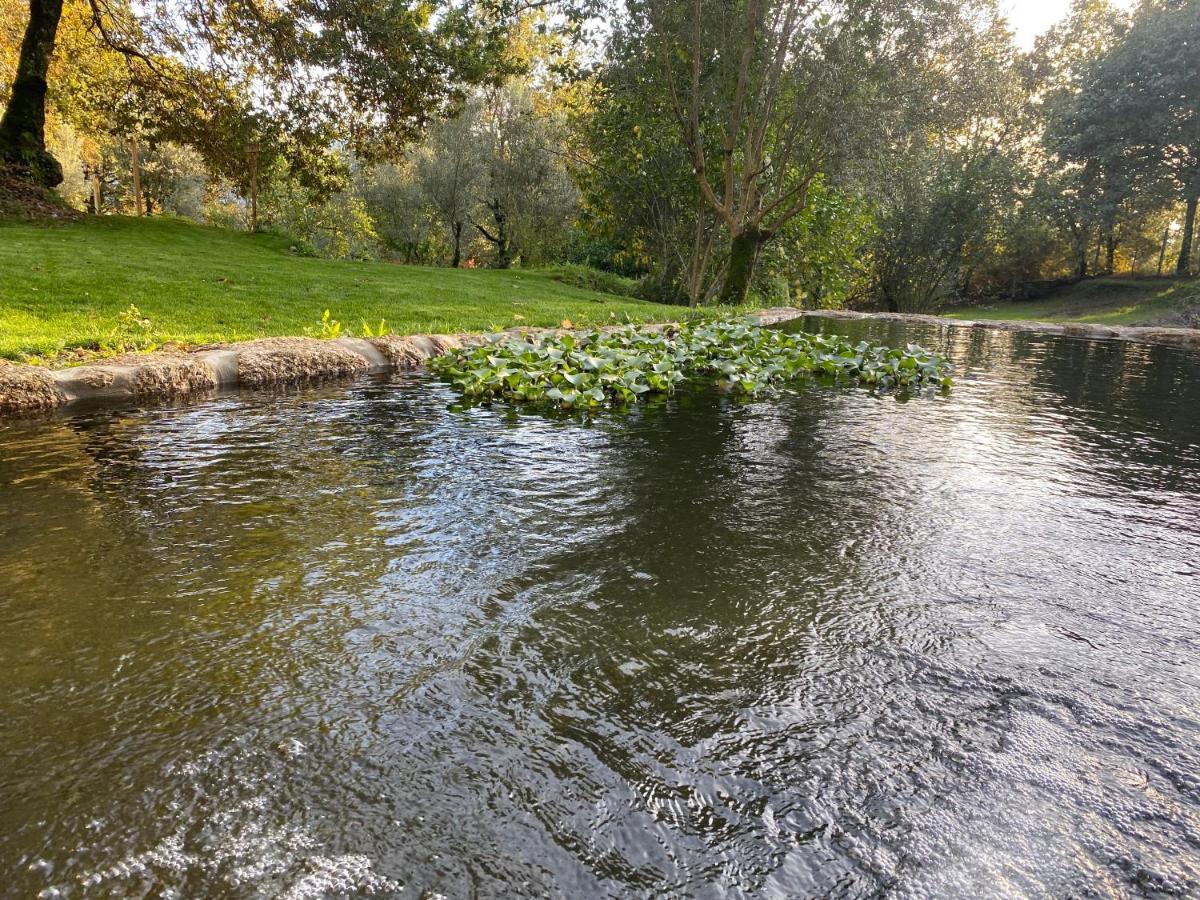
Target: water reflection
827 644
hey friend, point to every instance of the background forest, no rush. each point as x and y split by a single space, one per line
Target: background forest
906 156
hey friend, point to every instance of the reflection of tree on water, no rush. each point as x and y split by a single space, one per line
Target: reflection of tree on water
1118 400
1128 403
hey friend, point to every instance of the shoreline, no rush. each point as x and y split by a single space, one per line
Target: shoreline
167 375
1143 334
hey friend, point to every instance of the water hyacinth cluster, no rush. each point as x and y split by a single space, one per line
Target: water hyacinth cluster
595 368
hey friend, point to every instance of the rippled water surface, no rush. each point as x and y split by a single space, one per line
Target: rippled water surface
347 641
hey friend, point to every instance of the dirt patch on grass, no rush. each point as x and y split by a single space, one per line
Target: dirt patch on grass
290 360
21 199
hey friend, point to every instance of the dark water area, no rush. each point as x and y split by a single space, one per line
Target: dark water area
348 642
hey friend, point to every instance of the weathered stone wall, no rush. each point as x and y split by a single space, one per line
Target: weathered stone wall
163 376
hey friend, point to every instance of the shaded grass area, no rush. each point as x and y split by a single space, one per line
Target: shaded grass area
63 286
1103 300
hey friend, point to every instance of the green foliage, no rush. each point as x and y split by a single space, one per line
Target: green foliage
330 327
378 332
823 253
616 368
337 225
587 249
134 332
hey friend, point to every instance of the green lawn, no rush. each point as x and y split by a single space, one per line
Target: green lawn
64 285
1104 301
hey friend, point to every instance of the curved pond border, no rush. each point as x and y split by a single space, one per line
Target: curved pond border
1145 334
281 361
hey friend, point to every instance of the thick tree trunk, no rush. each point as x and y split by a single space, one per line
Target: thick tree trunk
500 240
23 128
457 230
135 157
743 257
1079 244
1183 265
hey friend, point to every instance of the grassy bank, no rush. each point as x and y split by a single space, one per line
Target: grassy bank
1103 300
64 286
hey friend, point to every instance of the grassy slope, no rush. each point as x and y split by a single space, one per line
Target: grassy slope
1105 301
64 285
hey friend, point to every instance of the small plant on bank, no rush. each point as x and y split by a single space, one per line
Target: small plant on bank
378 332
330 327
616 368
134 333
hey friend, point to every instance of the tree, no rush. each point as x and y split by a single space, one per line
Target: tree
366 76
1150 85
639 191
449 168
952 167
23 125
526 196
1081 180
399 208
824 252
782 90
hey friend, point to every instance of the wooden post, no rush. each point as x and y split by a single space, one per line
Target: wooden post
252 150
137 177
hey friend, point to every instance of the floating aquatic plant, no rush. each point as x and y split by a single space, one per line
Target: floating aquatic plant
595 368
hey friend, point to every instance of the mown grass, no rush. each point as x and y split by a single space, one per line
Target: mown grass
1103 301
62 286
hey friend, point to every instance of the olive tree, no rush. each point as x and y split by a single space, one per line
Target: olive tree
526 196
449 168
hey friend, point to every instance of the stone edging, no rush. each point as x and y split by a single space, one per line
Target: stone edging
163 376
280 361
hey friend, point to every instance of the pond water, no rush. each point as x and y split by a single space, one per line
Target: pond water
348 641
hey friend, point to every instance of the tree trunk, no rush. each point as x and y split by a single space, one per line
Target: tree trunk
1183 265
1162 252
1079 244
1110 251
499 240
457 228
23 128
135 156
743 257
